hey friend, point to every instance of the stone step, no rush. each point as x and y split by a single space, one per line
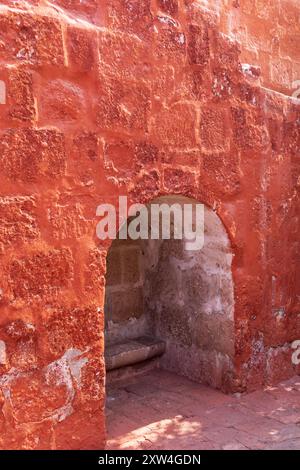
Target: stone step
132 352
132 372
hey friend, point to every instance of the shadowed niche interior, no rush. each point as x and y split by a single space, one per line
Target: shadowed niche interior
171 307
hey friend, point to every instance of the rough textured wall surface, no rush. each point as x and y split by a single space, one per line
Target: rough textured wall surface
269 36
143 98
189 298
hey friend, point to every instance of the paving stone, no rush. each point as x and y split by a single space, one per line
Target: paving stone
158 420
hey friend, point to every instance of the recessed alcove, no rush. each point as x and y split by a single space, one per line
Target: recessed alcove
167 302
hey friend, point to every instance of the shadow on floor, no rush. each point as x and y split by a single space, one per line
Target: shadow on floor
162 411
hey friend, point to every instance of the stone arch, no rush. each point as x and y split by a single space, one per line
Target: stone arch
159 290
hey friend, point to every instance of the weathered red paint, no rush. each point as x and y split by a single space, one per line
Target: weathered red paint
139 98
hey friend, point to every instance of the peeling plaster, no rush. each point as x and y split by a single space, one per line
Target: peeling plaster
65 371
2 92
2 353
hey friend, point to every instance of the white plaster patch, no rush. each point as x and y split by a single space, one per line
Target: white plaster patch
76 363
167 20
181 39
63 372
252 71
2 92
2 353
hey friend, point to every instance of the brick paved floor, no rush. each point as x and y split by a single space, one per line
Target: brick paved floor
164 411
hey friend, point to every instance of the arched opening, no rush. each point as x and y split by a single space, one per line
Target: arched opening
171 307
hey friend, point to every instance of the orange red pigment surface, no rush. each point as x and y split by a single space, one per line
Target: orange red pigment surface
139 98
